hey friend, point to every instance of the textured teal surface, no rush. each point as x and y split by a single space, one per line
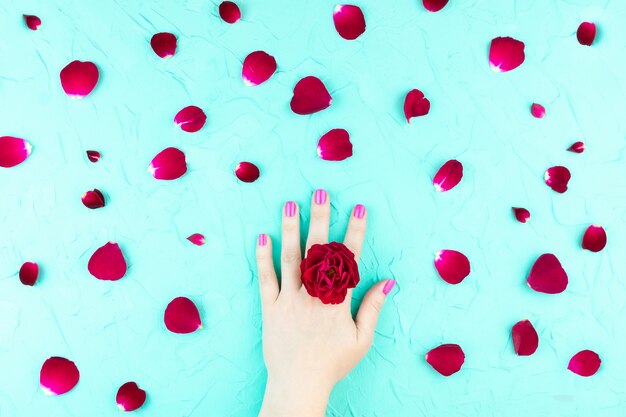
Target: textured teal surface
114 331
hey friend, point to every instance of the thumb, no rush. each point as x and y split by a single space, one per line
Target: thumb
370 308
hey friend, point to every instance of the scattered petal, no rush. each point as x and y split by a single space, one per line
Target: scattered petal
521 214
335 145
557 178
585 363
258 67
78 78
452 266
168 164
310 96
448 176
107 263
13 151
130 397
415 105
93 199
434 5
586 33
525 338
58 376
577 147
538 111
93 156
547 275
182 316
349 21
29 273
247 172
197 239
446 359
506 54
33 22
229 12
594 238
164 44
190 119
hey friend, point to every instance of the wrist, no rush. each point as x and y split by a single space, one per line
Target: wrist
294 398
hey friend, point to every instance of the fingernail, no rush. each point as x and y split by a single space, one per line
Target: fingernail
262 239
389 286
290 209
320 197
359 211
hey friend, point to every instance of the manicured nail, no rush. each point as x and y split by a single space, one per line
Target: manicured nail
320 197
290 209
389 286
359 211
262 239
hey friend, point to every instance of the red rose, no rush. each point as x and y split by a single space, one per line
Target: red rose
328 271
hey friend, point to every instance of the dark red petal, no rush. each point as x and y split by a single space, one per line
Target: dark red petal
446 359
525 338
586 33
452 266
58 376
335 145
13 151
577 147
349 21
585 363
78 78
538 111
415 105
521 214
190 119
557 178
229 12
594 238
434 5
310 96
164 44
130 397
258 67
33 22
197 239
547 275
506 54
93 156
168 164
247 171
93 199
29 273
107 263
448 176
182 316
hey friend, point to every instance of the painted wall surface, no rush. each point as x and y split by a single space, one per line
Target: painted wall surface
114 331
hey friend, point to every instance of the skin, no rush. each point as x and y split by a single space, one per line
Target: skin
309 346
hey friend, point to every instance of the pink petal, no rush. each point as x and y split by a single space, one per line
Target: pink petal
107 263
335 145
197 239
525 338
538 111
452 266
547 275
577 147
434 5
557 178
521 214
586 33
13 151
448 176
506 54
258 67
58 376
29 273
33 22
190 119
182 316
93 156
130 397
594 238
164 44
585 363
446 359
349 21
415 105
229 12
79 78
310 96
168 164
247 172
93 199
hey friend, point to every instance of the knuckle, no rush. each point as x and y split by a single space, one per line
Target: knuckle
265 275
319 214
357 227
290 257
376 305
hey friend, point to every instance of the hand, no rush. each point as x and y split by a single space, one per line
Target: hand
309 346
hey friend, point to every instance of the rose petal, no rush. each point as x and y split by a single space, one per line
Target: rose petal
93 199
448 176
452 266
577 147
164 44
78 78
310 96
130 397
33 22
521 214
547 275
197 239
434 5
586 33
525 338
594 238
506 54
557 178
335 145
168 164
258 67
349 21
190 119
58 376
13 151
182 316
93 156
415 105
538 111
446 359
229 12
584 363
107 262
29 273
247 171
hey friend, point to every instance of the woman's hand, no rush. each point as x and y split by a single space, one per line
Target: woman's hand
309 346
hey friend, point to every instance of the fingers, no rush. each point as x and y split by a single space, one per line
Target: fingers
268 284
369 311
291 254
320 219
356 230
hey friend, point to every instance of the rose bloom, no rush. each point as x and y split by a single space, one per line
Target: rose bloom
328 271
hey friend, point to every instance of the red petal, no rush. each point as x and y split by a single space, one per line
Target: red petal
585 363
190 119
506 54
247 171
452 266
58 376
163 44
33 22
197 239
434 5
415 105
93 199
29 273
13 151
557 178
335 145
130 397
168 164
107 263
93 156
586 33
577 147
448 176
181 316
446 359
229 12
594 238
258 67
525 338
538 111
547 275
521 214
349 21
310 96
79 78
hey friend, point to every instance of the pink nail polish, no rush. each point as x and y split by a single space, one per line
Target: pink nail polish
389 286
290 209
359 211
262 239
320 197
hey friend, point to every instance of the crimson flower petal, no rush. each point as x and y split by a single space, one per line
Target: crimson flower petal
182 316
258 67
586 33
310 96
93 199
415 105
525 338
506 54
538 111
168 164
521 214
197 239
247 172
229 12
557 178
452 266
335 145
164 44
594 238
33 22
577 147
446 359
349 21
434 5
58 375
13 151
547 275
78 78
584 363
29 273
130 397
107 263
93 156
190 119
448 176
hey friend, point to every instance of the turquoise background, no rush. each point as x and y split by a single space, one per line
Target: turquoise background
114 330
